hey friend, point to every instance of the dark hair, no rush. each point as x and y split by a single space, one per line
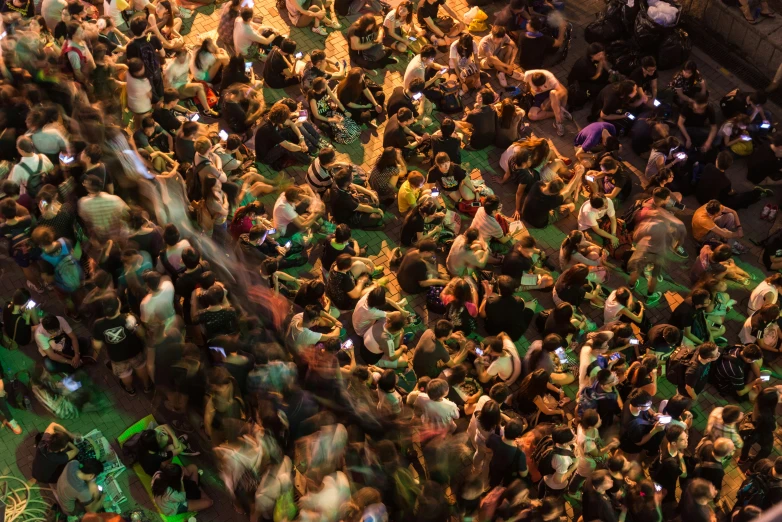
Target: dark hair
562 435
169 476
138 24
387 381
752 352
376 297
534 385
724 160
595 48
388 158
442 328
404 115
507 113
699 296
428 51
639 397
447 127
417 85
677 405
576 275
91 466
491 204
648 61
465 46
489 416
190 258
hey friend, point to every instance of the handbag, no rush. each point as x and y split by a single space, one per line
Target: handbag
211 97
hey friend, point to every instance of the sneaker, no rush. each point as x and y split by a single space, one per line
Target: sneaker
766 211
738 248
402 302
335 25
653 299
764 192
319 30
34 288
772 215
502 79
566 115
560 129
679 251
15 427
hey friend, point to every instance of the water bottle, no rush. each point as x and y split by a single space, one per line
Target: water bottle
135 516
28 405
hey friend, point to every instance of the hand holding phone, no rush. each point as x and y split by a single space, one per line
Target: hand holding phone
765 378
223 135
633 340
656 103
664 419
31 304
630 116
347 345
435 193
590 178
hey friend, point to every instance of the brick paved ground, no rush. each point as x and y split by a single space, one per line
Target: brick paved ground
16 452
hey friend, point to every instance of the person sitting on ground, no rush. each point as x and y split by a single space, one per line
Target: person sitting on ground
613 102
304 13
365 37
698 123
485 220
717 262
483 119
448 140
176 490
534 45
422 222
593 212
346 206
411 191
286 214
399 134
547 203
52 453
687 84
714 184
594 140
736 374
412 98
550 98
282 68
500 360
576 249
498 52
589 74
418 269
423 67
504 311
383 345
77 492
689 317
440 30
385 176
400 33
714 222
762 329
645 76
462 60
451 179
348 280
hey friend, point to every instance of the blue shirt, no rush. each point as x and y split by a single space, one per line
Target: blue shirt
592 135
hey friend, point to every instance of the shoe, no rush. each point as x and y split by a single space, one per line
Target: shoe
772 215
679 251
378 272
653 299
502 79
150 390
766 211
739 249
34 288
181 426
319 30
131 392
764 192
335 25
517 75
560 129
660 278
14 427
566 115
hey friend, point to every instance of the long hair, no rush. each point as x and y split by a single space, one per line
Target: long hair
387 159
352 85
407 4
534 384
205 47
466 45
576 275
507 112
169 476
570 244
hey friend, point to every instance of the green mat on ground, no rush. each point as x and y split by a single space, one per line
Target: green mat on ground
145 479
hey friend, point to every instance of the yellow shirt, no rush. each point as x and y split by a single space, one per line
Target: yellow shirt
408 197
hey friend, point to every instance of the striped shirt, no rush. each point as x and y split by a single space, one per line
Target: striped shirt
730 371
103 213
319 178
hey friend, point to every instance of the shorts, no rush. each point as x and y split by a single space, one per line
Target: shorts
539 99
444 23
125 368
641 259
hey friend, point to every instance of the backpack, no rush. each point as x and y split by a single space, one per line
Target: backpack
65 62
452 98
18 393
588 397
543 455
35 181
193 181
753 491
150 57
733 103
68 274
131 449
629 216
677 365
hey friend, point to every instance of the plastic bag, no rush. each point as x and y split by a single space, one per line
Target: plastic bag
625 56
664 14
648 33
475 14
603 30
674 50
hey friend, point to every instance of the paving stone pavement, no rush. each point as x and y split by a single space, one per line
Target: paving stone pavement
16 452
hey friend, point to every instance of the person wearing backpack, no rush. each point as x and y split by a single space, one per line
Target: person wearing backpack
64 270
696 376
508 461
640 429
76 55
556 461
32 167
759 426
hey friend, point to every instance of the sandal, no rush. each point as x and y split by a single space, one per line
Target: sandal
748 15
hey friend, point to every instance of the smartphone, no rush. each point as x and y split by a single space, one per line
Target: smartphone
444 70
765 125
475 204
298 55
412 38
765 378
560 353
71 384
223 135
218 350
272 231
665 419
679 206
657 487
247 3
615 357
288 245
590 178
302 116
746 138
195 117
248 66
31 304
634 341
631 116
435 193
347 344
65 158
417 96
3 35
100 488
681 155
479 352
656 103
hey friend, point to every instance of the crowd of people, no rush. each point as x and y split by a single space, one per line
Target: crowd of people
146 187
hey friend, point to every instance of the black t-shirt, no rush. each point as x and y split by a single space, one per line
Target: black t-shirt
428 9
532 51
667 474
272 71
697 375
504 314
394 135
343 205
450 145
538 204
47 464
655 340
15 327
398 100
186 283
413 224
266 138
608 102
484 124
118 335
428 352
684 315
506 462
643 81
693 119
146 48
219 322
184 149
151 462
620 179
584 69
713 184
516 264
597 506
763 163
573 294
337 288
412 270
561 329
634 431
167 119
330 253
447 181
235 115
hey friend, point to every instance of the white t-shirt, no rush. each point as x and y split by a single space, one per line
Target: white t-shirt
21 176
301 336
415 69
770 334
42 337
111 10
551 80
507 155
391 22
460 258
442 414
283 214
159 308
176 74
507 367
488 227
364 316
756 298
207 60
244 36
453 55
588 217
138 89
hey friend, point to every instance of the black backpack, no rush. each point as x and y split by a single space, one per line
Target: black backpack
544 453
630 213
733 103
131 449
753 491
677 365
195 191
